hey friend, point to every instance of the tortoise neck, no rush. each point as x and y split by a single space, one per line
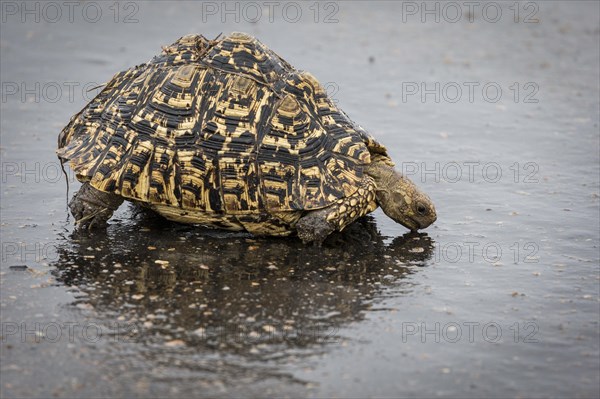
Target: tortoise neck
382 172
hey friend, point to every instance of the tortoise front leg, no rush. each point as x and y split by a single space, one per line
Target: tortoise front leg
92 207
315 226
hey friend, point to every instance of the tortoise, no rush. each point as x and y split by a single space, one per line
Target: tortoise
225 133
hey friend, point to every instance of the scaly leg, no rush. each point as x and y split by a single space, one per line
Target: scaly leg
92 208
317 225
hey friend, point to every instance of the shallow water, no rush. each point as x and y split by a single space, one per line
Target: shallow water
499 298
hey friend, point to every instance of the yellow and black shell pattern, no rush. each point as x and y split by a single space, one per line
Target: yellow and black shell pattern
223 126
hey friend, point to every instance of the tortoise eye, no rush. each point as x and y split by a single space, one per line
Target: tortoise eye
421 209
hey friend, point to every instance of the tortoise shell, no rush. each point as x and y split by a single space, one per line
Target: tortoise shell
221 126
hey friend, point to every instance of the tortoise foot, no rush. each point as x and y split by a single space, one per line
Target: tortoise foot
92 208
314 227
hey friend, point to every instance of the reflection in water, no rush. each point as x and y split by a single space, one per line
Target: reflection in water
231 295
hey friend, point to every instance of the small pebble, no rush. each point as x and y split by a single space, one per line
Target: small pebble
175 343
268 328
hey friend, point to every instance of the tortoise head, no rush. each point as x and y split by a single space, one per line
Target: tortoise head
401 199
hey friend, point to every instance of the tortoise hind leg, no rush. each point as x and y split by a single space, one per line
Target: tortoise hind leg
92 208
315 226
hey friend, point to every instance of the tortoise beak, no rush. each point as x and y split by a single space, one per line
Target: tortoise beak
410 224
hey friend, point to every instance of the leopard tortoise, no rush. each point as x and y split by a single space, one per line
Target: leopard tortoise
225 133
